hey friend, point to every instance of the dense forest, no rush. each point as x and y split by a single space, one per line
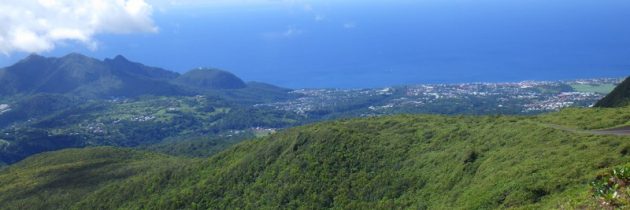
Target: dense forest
406 161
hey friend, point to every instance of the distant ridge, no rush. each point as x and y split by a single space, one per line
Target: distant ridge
619 97
138 69
206 78
81 75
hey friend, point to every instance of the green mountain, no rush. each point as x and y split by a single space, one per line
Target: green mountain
83 76
255 93
77 101
121 64
416 162
210 79
80 75
619 97
228 86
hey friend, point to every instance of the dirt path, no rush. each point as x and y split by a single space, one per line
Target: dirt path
620 131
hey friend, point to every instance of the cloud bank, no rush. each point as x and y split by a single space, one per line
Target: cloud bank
39 25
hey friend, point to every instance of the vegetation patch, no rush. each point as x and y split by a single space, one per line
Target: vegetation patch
593 88
612 190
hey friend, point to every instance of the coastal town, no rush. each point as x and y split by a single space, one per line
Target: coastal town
509 97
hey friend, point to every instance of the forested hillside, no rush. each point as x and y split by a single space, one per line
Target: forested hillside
420 162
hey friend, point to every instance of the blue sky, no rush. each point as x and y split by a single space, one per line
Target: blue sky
351 44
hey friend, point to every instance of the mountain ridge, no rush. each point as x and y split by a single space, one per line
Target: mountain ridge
81 75
208 78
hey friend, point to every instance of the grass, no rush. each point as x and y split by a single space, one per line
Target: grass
589 119
603 89
56 180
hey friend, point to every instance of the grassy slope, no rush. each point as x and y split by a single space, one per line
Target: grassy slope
433 162
57 180
589 119
603 89
619 97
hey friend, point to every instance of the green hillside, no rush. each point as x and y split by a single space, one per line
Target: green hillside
46 122
210 79
417 162
619 97
80 75
58 180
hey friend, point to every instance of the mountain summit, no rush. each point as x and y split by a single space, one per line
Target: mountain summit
206 78
137 69
80 75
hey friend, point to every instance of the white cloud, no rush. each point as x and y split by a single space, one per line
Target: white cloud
349 25
166 4
290 32
319 18
39 25
308 7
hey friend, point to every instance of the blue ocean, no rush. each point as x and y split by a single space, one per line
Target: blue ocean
358 44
